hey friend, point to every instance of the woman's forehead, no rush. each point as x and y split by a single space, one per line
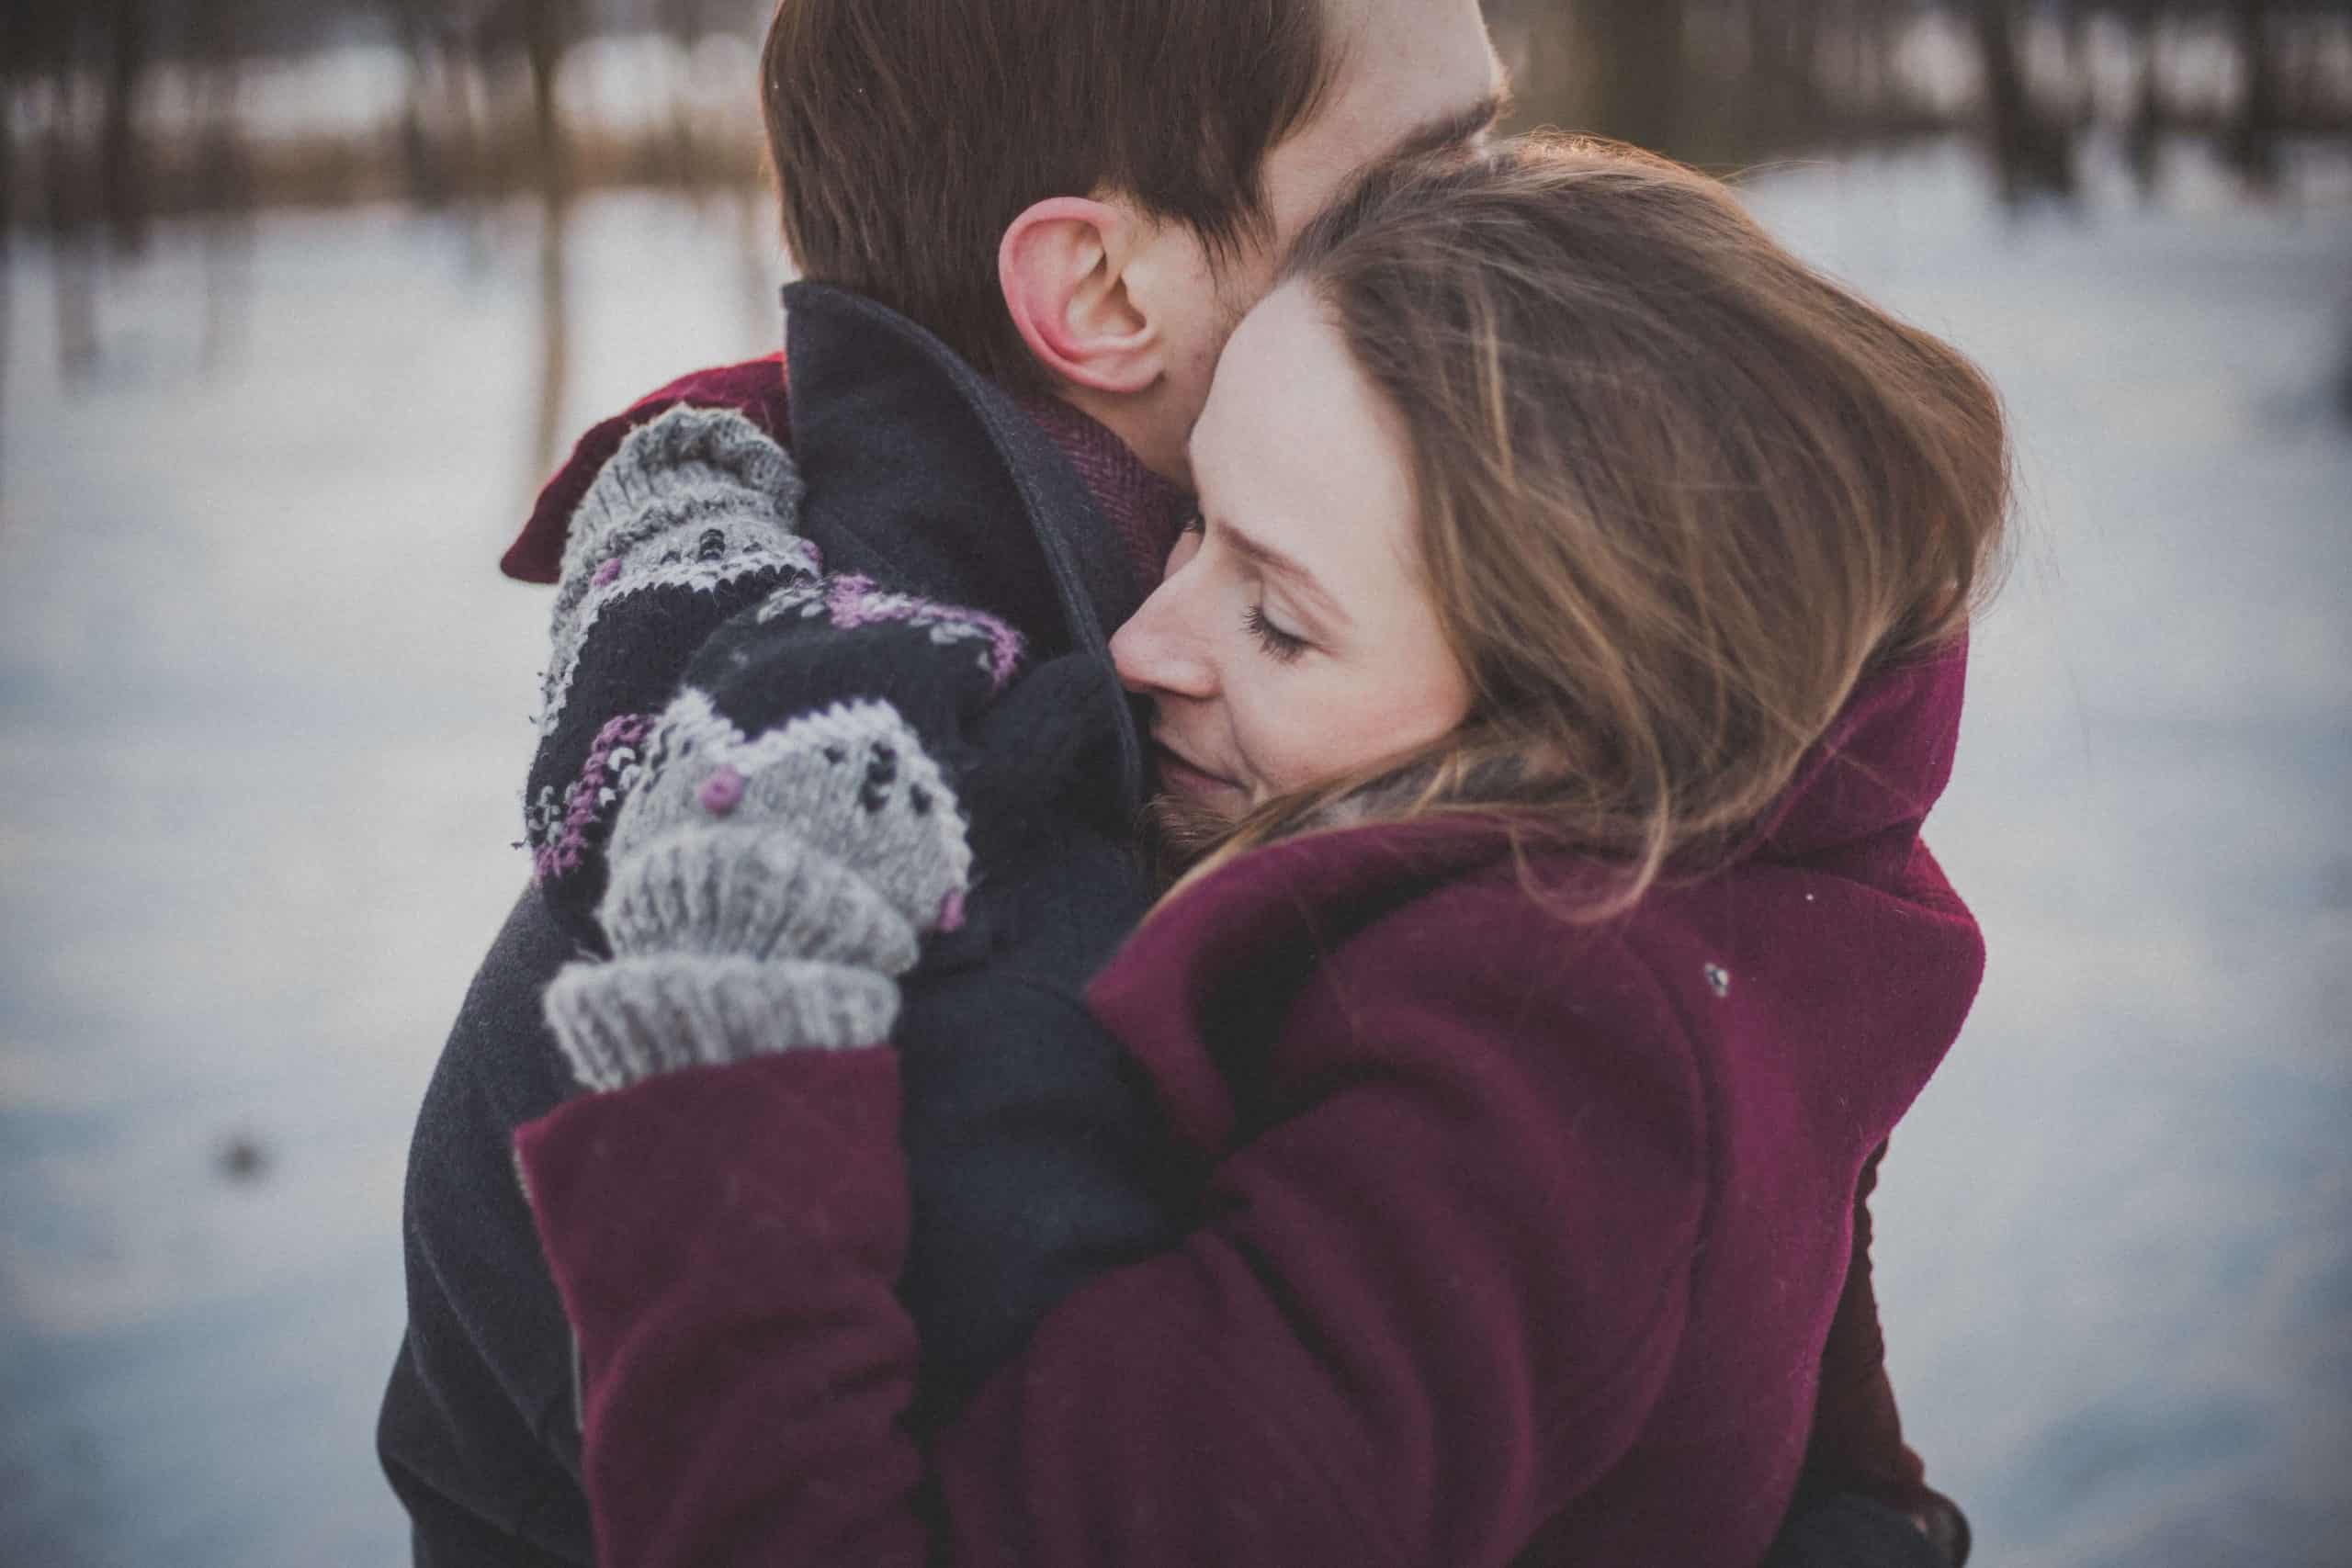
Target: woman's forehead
1299 451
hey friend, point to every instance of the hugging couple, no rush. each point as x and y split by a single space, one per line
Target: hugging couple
1231 876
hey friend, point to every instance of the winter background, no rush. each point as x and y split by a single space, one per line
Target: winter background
265 700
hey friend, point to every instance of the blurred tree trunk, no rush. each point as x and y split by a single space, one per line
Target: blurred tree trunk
547 33
1611 67
546 27
2251 144
67 211
16 45
1638 70
16 40
684 21
1784 91
2031 156
223 174
425 172
1874 31
2143 132
123 170
2081 69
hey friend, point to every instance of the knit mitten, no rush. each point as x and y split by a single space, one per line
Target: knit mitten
695 496
764 894
691 521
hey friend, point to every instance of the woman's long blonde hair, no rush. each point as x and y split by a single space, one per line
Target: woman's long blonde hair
1678 494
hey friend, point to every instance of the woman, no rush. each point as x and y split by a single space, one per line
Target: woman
1568 651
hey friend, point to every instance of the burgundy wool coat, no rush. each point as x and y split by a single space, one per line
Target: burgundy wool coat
1521 1241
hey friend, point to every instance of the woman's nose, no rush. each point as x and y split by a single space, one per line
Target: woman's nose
1156 653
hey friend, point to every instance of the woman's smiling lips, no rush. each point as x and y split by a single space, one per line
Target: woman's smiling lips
1182 777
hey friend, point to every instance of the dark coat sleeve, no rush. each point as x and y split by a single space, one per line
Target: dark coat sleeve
478 1432
1857 1433
1859 1474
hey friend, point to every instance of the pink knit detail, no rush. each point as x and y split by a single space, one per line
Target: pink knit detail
606 572
570 845
722 792
853 600
951 911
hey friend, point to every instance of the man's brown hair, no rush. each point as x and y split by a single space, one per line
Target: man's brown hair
908 134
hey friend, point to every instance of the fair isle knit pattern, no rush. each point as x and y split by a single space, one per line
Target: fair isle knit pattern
562 833
851 599
690 522
697 498
761 844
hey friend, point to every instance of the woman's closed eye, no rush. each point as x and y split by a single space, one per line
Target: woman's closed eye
1277 642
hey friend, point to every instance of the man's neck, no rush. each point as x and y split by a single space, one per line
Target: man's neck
1145 510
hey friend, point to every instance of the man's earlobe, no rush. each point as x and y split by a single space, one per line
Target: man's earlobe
1062 266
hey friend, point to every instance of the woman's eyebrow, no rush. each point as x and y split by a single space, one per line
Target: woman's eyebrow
1288 569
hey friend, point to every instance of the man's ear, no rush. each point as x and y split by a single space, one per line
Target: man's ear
1062 267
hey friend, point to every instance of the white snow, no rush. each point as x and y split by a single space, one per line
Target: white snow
2116 1258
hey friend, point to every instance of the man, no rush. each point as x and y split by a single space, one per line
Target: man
1080 200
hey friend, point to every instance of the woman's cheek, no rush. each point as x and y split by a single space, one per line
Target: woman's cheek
1260 744
1293 736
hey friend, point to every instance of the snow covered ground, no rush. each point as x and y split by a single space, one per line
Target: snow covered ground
2118 1229
263 705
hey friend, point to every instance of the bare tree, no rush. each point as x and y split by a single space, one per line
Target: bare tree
222 174
2143 130
123 164
1639 69
1784 83
684 23
16 42
15 48
2032 155
545 27
418 26
67 210
2252 141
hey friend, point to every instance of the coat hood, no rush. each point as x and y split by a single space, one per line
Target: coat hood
1879 768
1833 890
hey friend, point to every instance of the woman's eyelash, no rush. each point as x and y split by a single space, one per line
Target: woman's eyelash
1282 645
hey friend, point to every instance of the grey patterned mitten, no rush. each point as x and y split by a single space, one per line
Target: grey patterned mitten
766 892
696 498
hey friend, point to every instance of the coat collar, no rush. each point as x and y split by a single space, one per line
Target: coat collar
1879 768
925 474
1197 991
1858 801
